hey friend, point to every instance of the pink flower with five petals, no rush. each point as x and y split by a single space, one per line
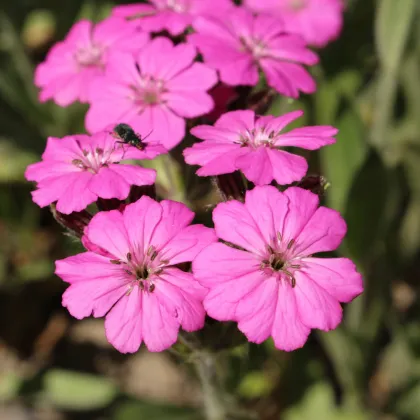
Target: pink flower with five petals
133 280
269 281
73 64
244 44
76 170
153 92
317 21
240 140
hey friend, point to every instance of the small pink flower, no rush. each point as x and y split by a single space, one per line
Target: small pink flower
253 145
154 92
317 21
137 286
173 15
269 282
242 44
72 65
76 170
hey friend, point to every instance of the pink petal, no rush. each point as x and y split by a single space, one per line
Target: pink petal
287 167
237 121
189 104
215 134
127 10
162 60
216 306
337 276
109 184
187 244
175 217
164 126
269 208
107 230
234 223
317 308
96 297
287 78
99 267
223 164
323 232
134 175
255 312
276 124
289 333
141 219
310 138
213 27
123 324
219 263
76 196
176 288
302 206
48 169
292 48
256 166
205 152
160 327
196 77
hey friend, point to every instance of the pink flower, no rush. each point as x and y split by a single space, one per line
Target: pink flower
76 170
242 44
269 282
72 65
173 15
137 286
317 21
239 140
154 92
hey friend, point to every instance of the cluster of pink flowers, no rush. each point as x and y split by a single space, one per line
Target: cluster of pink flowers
147 72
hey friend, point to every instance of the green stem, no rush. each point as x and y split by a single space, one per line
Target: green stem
214 403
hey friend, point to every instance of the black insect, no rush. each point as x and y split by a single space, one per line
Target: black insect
128 136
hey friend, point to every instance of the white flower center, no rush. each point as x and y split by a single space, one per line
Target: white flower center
89 56
142 271
148 92
297 5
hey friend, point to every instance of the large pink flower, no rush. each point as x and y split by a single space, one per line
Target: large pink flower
242 44
173 15
317 21
137 285
154 92
239 140
269 282
76 170
72 65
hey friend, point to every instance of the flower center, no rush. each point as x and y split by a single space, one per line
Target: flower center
149 92
297 5
89 56
143 272
178 6
279 261
253 46
257 138
92 159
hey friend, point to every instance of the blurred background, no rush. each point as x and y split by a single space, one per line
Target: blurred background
54 367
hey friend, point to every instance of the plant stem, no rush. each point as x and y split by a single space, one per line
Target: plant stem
214 404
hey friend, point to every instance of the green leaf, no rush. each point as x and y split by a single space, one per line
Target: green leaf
319 403
342 160
366 208
142 410
78 391
392 26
